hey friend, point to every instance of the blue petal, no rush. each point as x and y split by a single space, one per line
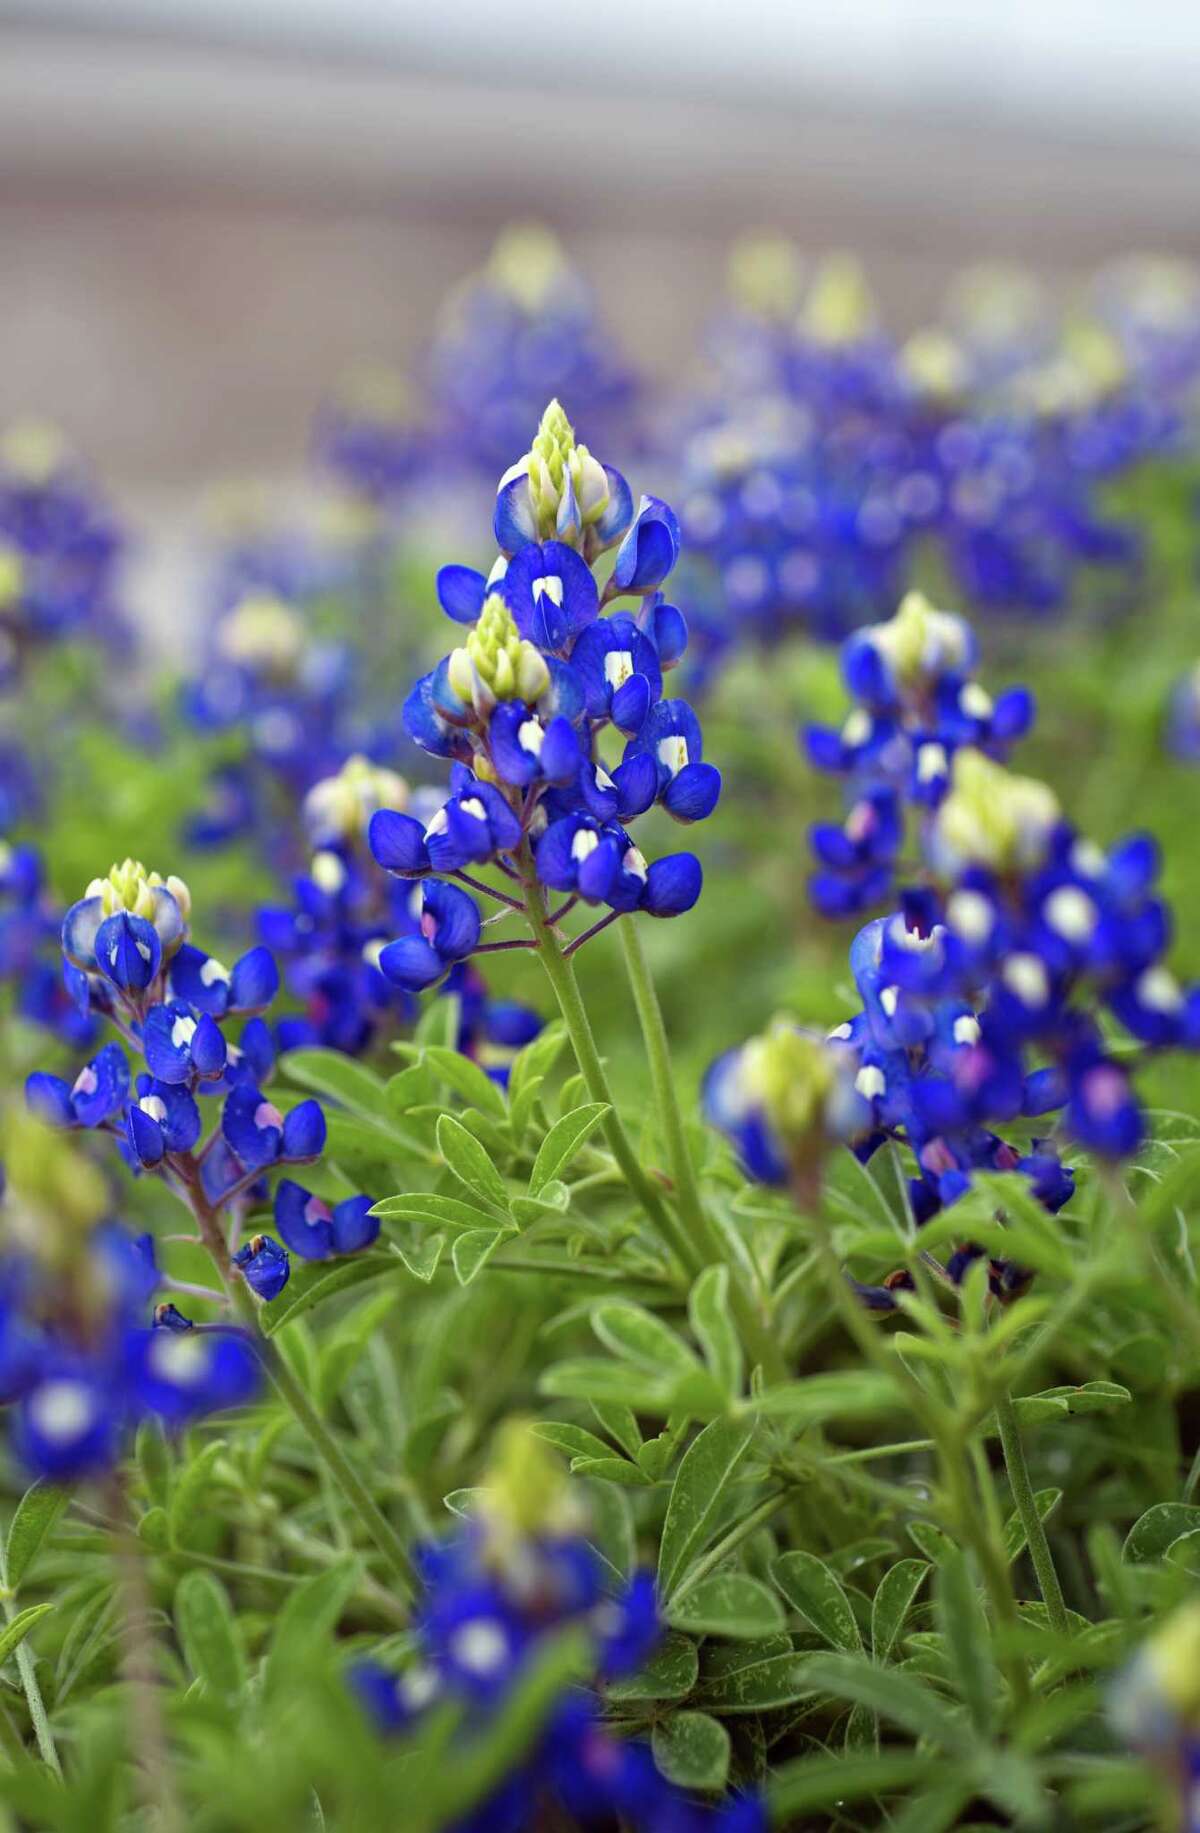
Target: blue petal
254 981
397 843
208 1046
49 1098
145 1136
672 885
693 793
461 592
411 963
101 1087
128 951
252 1126
201 980
303 1220
354 1227
513 521
80 925
304 1131
455 919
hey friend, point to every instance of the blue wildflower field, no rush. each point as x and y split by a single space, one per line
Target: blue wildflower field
600 1115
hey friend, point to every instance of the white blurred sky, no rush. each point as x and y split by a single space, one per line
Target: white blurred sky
1093 64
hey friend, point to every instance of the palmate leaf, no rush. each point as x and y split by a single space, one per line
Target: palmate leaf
469 1162
731 1604
812 1589
692 1750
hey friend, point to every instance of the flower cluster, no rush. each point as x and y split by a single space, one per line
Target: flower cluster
345 910
266 677
522 707
833 457
520 332
59 547
917 702
83 1357
129 959
496 1594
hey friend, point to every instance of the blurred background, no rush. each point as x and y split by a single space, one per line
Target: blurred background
211 208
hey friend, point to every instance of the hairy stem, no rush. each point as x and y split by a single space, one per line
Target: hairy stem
707 1245
1026 1505
561 976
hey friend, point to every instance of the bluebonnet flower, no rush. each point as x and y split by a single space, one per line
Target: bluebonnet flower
917 703
180 1023
264 1265
82 1356
831 459
60 548
523 330
521 1572
346 909
315 1230
782 1098
523 704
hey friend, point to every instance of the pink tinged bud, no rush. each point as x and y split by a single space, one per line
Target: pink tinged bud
429 926
937 1158
861 821
86 1081
266 1114
1007 1158
315 1211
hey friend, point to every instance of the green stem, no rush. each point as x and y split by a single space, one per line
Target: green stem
1027 1509
140 1668
26 1668
706 1244
561 975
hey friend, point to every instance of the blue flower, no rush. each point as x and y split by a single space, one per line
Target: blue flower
97 1093
200 979
314 1230
182 1043
264 1266
182 1375
621 671
648 551
688 788
552 595
258 1134
70 1421
162 1118
449 928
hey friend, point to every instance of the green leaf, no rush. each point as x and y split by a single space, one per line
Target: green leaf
1185 1552
892 1695
930 1540
329 1072
154 1459
467 1079
692 1750
811 1588
189 1504
1091 1397
758 1677
610 1469
597 1378
708 1312
960 1617
472 1251
563 1141
529 1068
640 1337
348 1343
727 1604
621 1425
1045 1501
575 1441
344 1278
14 1633
811 1783
1038 1409
308 1618
1153 1532
435 1210
708 1467
670 1673
469 1162
209 1635
423 1258
439 1022
36 1514
892 1602
842 1393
